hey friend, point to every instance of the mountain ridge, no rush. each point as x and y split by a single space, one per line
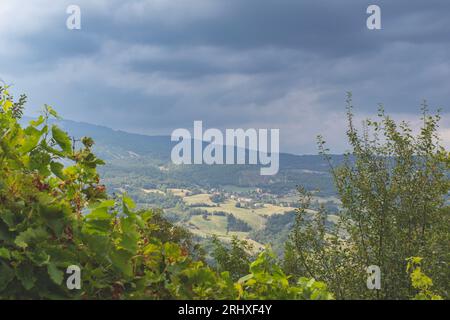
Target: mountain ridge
138 155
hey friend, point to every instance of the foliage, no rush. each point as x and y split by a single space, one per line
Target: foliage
420 281
235 224
54 213
393 188
267 279
234 258
276 231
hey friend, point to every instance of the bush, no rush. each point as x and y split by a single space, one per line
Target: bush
394 191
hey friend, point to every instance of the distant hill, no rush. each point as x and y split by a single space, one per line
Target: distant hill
130 154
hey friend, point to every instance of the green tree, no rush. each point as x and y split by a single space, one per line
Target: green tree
393 187
234 258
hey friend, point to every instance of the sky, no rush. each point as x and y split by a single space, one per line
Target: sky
152 66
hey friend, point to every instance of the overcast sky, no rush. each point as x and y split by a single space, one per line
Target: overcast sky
152 66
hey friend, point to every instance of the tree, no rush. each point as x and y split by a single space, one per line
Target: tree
234 258
393 188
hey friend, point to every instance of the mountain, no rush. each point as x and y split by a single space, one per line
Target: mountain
222 200
148 158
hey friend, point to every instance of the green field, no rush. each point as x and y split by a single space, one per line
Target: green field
254 217
178 192
211 225
199 199
153 191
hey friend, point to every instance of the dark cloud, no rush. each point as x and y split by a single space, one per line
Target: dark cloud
152 66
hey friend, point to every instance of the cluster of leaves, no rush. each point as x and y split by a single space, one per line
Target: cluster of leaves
394 188
267 279
54 213
420 281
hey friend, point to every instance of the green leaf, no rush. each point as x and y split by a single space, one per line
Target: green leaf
172 252
57 169
6 275
130 236
103 204
51 150
38 122
52 111
26 238
62 139
33 136
5 233
121 260
4 253
99 244
38 256
7 105
99 213
8 218
128 202
55 274
55 216
245 278
98 221
97 227
39 161
26 276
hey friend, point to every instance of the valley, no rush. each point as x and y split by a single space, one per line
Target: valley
220 200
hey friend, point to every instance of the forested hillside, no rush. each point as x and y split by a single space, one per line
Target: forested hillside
136 153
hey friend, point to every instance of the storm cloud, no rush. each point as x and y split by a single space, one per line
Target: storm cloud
152 66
